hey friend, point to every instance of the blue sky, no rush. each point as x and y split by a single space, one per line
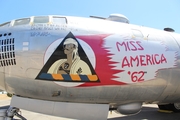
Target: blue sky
151 13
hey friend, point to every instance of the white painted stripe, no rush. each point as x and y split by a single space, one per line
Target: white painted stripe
25 43
25 48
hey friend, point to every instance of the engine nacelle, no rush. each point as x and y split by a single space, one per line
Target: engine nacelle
130 108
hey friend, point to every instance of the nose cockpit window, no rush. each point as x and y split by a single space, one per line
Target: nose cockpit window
5 24
59 20
41 19
22 21
36 20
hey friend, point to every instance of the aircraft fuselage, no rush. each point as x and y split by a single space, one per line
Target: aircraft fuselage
91 61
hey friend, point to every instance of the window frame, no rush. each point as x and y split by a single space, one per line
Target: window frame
26 23
6 24
34 18
52 20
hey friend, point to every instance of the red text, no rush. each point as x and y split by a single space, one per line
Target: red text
137 76
143 60
129 45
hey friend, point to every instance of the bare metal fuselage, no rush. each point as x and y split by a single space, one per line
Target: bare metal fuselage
32 41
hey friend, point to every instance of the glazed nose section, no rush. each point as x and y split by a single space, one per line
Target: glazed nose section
2 79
